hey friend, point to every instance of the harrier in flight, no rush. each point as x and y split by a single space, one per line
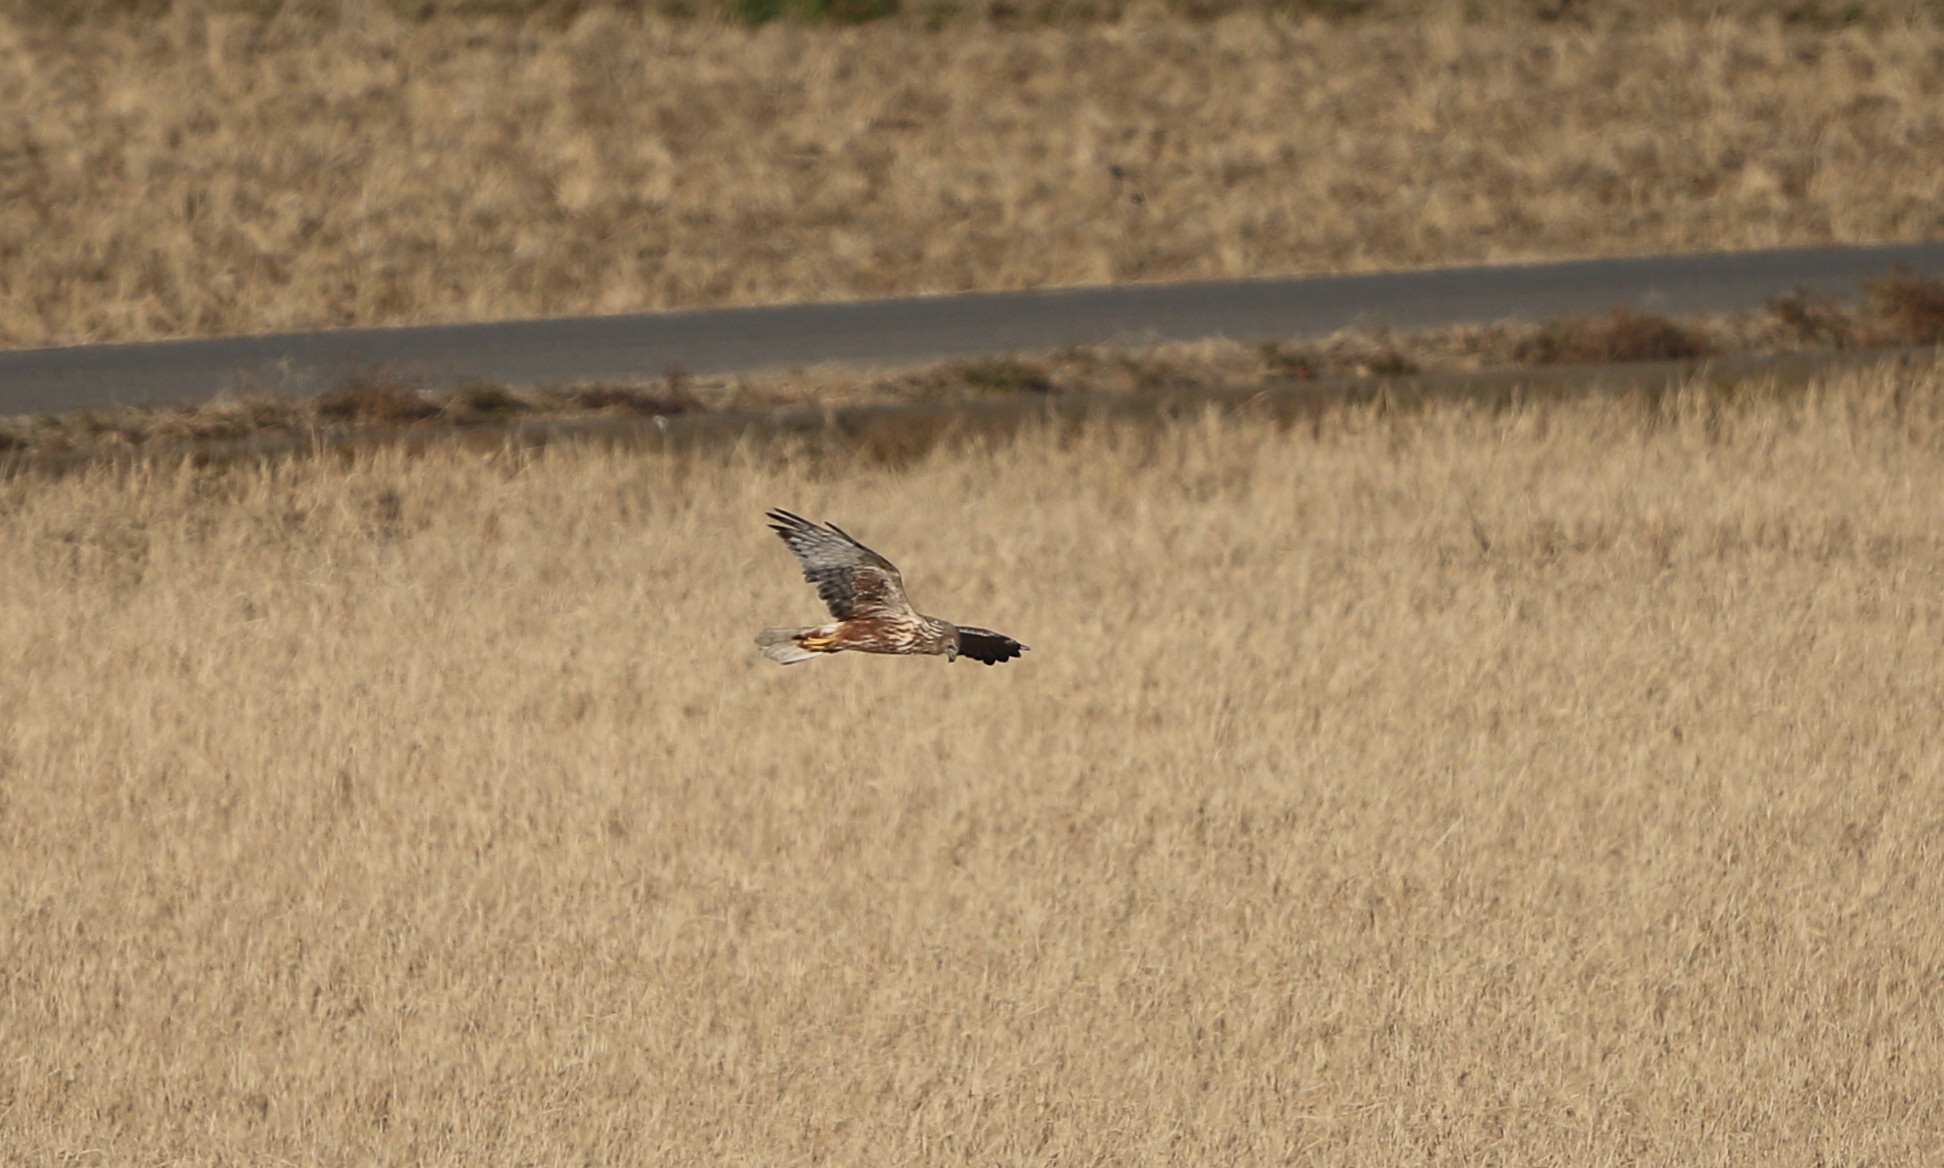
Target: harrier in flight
866 595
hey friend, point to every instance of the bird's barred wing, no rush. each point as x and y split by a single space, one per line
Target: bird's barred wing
987 646
851 578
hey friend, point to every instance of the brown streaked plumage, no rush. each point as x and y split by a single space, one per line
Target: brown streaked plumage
866 595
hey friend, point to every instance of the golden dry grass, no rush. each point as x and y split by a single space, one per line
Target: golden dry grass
210 173
1558 786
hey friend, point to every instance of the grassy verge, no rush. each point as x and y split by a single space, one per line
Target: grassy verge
1900 310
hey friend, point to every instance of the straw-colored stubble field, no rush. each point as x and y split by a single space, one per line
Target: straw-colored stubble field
1552 786
205 173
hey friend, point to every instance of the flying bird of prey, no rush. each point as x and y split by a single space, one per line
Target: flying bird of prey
866 595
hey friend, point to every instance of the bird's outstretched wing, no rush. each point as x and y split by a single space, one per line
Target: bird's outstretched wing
852 579
987 646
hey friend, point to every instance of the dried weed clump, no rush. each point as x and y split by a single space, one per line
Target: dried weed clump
1546 785
376 399
1909 309
1900 309
673 397
1625 335
209 172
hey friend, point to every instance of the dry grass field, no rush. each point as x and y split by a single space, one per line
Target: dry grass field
1555 786
204 172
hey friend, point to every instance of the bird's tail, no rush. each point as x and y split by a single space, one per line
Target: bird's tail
783 647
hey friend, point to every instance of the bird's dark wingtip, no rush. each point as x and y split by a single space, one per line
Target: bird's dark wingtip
988 647
787 523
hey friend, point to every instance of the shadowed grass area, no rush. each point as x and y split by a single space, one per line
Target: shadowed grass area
1624 335
999 375
375 399
1907 308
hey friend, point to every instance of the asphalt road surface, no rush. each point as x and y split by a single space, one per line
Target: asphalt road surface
891 332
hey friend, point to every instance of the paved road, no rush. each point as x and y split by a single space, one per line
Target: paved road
924 328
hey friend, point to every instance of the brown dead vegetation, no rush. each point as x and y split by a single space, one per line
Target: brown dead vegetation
375 399
1906 310
1625 335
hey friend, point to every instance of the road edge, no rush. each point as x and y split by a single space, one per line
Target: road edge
899 431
